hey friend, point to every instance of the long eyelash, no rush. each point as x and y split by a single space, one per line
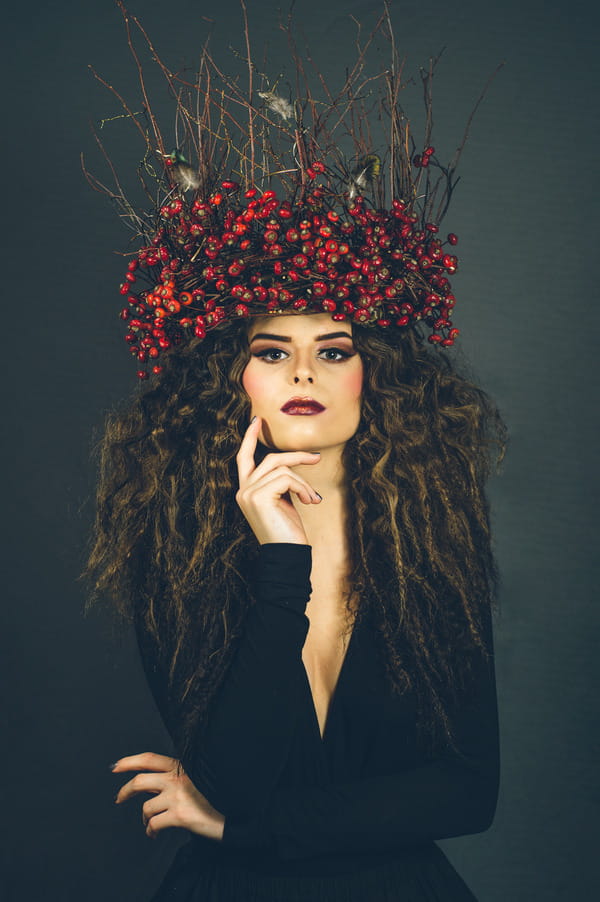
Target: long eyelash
338 351
267 351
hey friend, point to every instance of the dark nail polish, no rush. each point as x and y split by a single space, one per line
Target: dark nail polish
320 496
252 420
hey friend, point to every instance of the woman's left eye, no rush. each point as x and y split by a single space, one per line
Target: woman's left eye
335 354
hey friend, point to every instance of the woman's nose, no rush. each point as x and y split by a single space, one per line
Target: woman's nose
303 371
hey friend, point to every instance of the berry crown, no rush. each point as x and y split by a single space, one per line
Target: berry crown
244 253
273 216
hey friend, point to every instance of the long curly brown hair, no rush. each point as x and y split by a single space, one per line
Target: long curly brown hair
171 547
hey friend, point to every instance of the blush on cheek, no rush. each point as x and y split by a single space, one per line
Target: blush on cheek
251 383
353 381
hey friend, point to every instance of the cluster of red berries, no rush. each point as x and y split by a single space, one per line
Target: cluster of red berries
422 160
247 253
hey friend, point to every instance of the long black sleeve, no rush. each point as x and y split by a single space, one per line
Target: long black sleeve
244 745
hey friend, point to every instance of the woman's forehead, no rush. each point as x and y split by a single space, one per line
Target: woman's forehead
297 324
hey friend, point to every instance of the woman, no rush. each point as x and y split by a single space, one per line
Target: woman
315 771
293 512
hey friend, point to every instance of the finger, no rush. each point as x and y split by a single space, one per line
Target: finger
283 459
154 783
153 807
245 455
145 761
159 822
279 485
276 476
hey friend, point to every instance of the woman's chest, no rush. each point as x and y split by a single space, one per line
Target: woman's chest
349 704
327 641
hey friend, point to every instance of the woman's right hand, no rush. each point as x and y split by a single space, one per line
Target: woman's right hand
261 495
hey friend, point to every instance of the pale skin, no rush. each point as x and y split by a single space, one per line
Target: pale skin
294 495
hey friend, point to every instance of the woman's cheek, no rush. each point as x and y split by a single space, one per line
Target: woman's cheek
249 380
254 386
353 382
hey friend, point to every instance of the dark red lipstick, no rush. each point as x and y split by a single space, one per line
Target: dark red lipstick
302 407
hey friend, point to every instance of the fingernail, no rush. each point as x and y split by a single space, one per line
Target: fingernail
112 766
117 799
314 452
252 420
319 496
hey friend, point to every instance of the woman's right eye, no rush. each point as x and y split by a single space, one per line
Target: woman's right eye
269 355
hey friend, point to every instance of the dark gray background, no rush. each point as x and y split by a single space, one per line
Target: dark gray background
526 214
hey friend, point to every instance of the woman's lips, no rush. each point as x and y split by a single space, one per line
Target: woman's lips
302 407
305 411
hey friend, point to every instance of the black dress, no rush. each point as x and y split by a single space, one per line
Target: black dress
347 817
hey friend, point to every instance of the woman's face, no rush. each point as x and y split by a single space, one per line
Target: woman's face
304 380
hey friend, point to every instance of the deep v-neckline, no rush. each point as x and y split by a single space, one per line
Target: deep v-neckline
336 689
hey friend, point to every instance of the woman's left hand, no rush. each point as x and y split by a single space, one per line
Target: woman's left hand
176 802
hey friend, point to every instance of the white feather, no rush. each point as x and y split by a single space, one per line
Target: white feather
277 104
185 177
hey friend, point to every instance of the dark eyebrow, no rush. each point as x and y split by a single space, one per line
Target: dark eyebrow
326 337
